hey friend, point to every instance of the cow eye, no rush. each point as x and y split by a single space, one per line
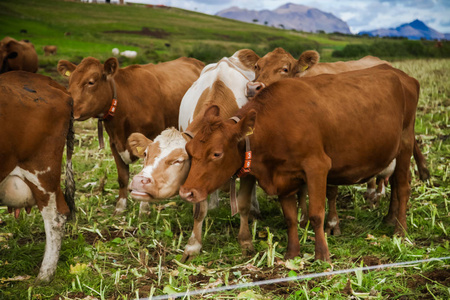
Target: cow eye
217 154
178 161
285 70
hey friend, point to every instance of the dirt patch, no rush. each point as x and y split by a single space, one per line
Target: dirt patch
157 33
368 260
439 276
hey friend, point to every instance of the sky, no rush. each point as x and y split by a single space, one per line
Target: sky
359 14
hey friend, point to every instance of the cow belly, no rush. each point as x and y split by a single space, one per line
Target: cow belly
14 192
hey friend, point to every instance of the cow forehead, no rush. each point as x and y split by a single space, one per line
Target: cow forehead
88 67
164 144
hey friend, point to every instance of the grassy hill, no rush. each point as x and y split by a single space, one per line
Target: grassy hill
158 34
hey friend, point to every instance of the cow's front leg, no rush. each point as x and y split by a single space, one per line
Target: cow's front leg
123 172
332 225
194 244
316 170
54 232
290 212
244 206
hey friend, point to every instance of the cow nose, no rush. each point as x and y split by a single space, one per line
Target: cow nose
145 180
188 194
253 88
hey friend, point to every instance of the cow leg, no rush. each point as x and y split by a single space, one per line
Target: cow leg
301 199
194 244
391 217
213 200
144 209
402 178
123 171
424 173
332 225
316 171
370 193
290 212
244 206
54 232
254 209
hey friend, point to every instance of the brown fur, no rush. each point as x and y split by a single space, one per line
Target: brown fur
17 55
148 97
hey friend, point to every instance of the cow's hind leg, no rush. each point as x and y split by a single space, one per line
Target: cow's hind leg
332 224
403 191
290 212
194 244
54 232
244 206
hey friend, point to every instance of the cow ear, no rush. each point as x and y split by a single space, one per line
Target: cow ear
65 67
138 143
308 59
248 58
212 111
246 124
111 65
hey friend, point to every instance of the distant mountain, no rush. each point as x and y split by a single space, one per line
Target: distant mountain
415 30
289 16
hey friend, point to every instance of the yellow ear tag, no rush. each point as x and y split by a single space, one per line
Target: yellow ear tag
304 68
67 73
250 132
140 150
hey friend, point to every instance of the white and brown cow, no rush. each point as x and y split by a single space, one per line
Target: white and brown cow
137 98
298 135
36 122
166 162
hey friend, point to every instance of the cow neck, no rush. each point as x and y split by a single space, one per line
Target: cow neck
108 115
237 68
243 171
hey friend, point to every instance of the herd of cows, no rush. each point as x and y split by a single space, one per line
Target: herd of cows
295 126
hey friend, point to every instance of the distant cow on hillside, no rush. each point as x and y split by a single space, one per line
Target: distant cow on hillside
50 50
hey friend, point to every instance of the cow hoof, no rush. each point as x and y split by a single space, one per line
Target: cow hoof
246 246
323 256
121 206
335 231
291 255
144 209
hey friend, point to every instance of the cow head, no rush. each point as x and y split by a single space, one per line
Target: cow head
277 65
8 50
216 153
91 86
166 165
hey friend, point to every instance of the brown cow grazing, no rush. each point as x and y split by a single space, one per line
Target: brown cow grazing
17 55
298 135
279 64
35 121
50 50
137 98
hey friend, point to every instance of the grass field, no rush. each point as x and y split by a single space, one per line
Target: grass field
127 257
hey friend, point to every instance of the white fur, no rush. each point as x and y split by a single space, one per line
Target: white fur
169 140
227 70
115 51
126 157
121 205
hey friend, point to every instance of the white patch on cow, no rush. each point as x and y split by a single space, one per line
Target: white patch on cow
14 192
194 246
126 157
230 72
54 233
168 141
121 206
370 191
332 223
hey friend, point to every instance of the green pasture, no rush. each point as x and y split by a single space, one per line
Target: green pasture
127 257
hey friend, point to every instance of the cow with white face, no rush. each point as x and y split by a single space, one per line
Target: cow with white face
166 163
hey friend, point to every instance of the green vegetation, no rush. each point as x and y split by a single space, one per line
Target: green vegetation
127 257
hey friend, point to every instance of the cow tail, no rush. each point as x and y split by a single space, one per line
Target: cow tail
69 193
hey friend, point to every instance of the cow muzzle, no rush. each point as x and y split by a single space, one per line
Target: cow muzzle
253 88
140 189
191 195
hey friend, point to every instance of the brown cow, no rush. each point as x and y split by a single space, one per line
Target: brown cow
298 135
50 50
35 121
279 64
17 55
137 98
